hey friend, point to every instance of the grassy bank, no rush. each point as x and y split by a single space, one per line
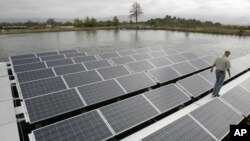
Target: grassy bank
209 30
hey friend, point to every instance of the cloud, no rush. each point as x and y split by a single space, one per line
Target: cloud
218 10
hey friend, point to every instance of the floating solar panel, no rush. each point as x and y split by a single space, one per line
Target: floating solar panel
109 55
67 69
199 63
22 56
54 57
167 97
25 61
128 113
84 59
29 67
141 50
47 106
216 117
126 52
82 78
101 91
35 75
140 66
96 64
113 72
122 60
67 51
195 85
207 74
46 53
184 68
183 129
70 55
85 127
209 59
136 82
157 54
141 56
164 74
170 51
189 55
246 84
41 87
54 63
239 98
176 58
160 61
239 65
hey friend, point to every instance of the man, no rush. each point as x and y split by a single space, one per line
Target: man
222 65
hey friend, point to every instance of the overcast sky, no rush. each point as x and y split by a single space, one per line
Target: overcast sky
224 11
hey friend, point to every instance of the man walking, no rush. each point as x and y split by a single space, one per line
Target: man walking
222 65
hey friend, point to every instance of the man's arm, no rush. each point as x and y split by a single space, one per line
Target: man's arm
229 73
212 67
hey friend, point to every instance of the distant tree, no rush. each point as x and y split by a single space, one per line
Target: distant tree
51 21
115 21
92 22
135 11
78 22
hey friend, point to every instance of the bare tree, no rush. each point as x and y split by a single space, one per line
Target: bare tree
135 11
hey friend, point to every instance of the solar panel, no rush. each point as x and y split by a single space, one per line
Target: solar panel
113 72
35 75
41 87
209 59
25 61
184 68
209 76
84 59
126 52
157 54
54 57
164 74
44 107
67 69
85 127
135 82
167 97
128 113
82 78
239 98
67 51
141 50
183 129
141 56
108 55
97 64
160 61
195 85
70 55
176 58
155 48
101 91
246 84
122 60
140 66
46 53
189 55
29 67
199 63
216 117
54 63
22 56
171 51
239 65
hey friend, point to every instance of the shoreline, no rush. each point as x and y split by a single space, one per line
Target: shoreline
206 30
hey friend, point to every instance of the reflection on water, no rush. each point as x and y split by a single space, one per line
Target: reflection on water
111 40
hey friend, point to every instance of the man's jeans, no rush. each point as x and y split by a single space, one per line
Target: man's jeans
220 76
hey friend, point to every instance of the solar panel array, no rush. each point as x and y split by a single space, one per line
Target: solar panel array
86 80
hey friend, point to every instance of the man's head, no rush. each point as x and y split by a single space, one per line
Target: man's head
227 53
